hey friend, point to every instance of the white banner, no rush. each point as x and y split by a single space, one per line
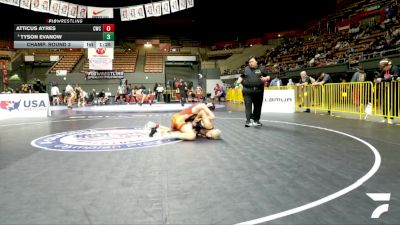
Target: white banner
104 53
139 12
279 101
102 75
149 10
13 2
96 12
24 105
124 14
25 4
189 58
35 5
132 13
157 9
61 72
100 64
54 7
29 58
82 12
54 58
44 6
190 3
182 4
72 10
165 7
63 9
174 6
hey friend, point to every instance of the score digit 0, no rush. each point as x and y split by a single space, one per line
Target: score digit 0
108 27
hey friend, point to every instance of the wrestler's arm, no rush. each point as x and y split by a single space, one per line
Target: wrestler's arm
201 106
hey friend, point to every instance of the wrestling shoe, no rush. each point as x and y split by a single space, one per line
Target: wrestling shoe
153 131
152 127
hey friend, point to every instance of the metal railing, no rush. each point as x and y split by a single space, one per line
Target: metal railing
351 98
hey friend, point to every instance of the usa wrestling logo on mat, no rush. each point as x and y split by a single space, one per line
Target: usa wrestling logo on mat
101 139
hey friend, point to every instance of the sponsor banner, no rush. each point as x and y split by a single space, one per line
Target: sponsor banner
101 139
24 105
100 13
279 101
102 75
100 64
103 53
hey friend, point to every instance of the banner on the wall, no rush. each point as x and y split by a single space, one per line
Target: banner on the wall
24 105
100 13
71 10
102 75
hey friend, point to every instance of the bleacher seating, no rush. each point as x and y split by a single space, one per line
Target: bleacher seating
154 61
68 60
6 45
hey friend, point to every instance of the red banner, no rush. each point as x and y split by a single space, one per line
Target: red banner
5 77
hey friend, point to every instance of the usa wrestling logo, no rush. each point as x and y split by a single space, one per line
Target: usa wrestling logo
102 139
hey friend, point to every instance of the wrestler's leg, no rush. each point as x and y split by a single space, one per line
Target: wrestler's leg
203 107
186 132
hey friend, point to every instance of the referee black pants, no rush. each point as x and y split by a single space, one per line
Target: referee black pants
253 100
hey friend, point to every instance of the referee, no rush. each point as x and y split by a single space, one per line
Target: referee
253 80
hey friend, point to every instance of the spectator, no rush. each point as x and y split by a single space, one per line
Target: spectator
304 81
324 78
389 73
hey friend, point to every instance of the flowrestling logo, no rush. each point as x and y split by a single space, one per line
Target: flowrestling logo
101 139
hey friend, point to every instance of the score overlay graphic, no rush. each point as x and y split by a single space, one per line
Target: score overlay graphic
64 36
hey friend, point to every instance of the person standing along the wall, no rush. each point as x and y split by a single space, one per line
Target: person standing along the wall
253 79
389 93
